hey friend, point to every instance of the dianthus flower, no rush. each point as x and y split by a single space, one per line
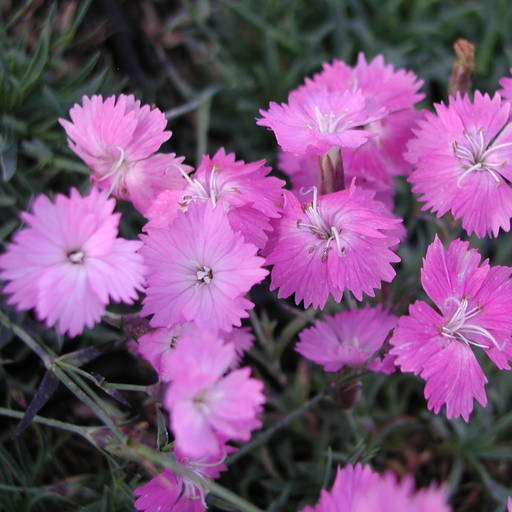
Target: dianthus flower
244 191
315 120
167 492
204 401
463 162
473 310
117 139
68 263
338 241
506 83
349 339
157 345
358 489
389 98
199 270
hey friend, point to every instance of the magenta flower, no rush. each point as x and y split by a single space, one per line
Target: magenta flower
338 241
199 271
315 120
349 339
358 489
204 401
244 191
68 262
463 162
473 309
167 492
389 97
385 88
506 83
117 139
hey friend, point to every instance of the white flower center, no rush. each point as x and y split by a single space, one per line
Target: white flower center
475 155
77 257
458 327
211 192
329 123
319 227
204 275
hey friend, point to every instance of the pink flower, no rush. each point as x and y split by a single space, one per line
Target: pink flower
349 339
244 191
389 98
158 345
205 402
384 87
242 340
68 263
358 489
339 241
315 120
117 139
473 309
463 162
168 492
199 271
506 83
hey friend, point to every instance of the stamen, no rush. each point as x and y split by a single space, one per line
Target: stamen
456 328
76 257
474 156
204 275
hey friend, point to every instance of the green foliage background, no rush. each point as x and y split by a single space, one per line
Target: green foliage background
211 64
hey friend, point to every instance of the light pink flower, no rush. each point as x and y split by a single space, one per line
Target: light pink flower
204 401
315 120
68 262
117 139
157 346
506 83
167 492
473 309
349 339
242 340
358 489
509 504
338 241
199 271
244 191
462 156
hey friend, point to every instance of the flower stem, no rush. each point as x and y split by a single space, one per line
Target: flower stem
330 171
44 353
267 434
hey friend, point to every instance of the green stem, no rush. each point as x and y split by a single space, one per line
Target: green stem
264 436
44 353
267 434
194 104
76 429
87 400
141 451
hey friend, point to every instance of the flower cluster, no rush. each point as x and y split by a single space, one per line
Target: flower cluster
210 233
365 111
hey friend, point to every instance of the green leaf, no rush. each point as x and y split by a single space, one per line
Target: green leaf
8 159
